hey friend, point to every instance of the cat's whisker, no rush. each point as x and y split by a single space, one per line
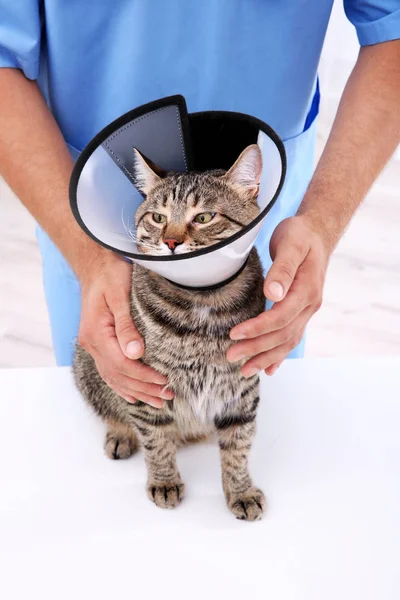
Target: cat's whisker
123 220
143 242
120 236
129 229
132 237
128 238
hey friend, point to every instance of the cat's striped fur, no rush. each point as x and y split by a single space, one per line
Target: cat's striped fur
186 338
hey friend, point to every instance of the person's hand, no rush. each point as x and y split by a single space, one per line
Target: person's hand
109 335
294 283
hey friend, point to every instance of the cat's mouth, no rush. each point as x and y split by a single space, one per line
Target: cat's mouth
183 248
163 249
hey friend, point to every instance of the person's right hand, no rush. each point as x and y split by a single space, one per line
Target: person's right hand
107 332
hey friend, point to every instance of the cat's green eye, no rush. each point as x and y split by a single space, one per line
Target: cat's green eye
159 218
204 217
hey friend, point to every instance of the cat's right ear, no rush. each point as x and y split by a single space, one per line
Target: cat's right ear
146 174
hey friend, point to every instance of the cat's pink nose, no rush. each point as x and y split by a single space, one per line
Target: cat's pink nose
172 243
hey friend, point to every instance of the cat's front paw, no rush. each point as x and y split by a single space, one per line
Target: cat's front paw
249 505
166 495
118 445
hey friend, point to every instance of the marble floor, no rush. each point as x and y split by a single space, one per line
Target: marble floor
361 310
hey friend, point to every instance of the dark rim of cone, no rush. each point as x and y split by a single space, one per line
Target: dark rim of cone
178 101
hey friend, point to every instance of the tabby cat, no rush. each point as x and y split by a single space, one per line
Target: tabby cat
186 334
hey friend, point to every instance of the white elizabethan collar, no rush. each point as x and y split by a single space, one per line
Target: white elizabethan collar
104 199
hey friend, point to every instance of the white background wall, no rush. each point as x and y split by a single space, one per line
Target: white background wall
361 310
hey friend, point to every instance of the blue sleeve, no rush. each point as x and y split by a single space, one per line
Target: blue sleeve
20 32
375 21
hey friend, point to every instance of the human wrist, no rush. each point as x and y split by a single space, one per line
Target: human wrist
90 259
322 222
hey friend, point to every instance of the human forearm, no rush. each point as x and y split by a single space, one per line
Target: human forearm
35 162
365 133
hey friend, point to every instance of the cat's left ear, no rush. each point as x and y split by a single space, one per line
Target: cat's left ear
146 174
246 172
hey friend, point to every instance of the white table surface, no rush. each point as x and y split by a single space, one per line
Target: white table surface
74 524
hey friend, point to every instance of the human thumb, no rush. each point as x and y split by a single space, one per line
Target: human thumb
282 272
129 338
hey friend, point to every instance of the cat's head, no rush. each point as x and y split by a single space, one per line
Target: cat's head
183 212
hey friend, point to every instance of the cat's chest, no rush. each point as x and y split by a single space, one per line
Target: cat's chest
201 313
194 343
198 372
188 344
204 391
181 336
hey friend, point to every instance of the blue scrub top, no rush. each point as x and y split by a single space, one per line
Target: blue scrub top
97 59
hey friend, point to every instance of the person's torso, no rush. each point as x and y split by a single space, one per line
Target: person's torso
101 58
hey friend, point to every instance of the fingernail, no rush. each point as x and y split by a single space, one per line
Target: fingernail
238 335
276 290
271 371
167 394
237 358
251 373
130 400
134 349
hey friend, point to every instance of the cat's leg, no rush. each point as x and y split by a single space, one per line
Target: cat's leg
120 440
159 438
235 435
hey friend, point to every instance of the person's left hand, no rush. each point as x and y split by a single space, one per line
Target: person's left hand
294 283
